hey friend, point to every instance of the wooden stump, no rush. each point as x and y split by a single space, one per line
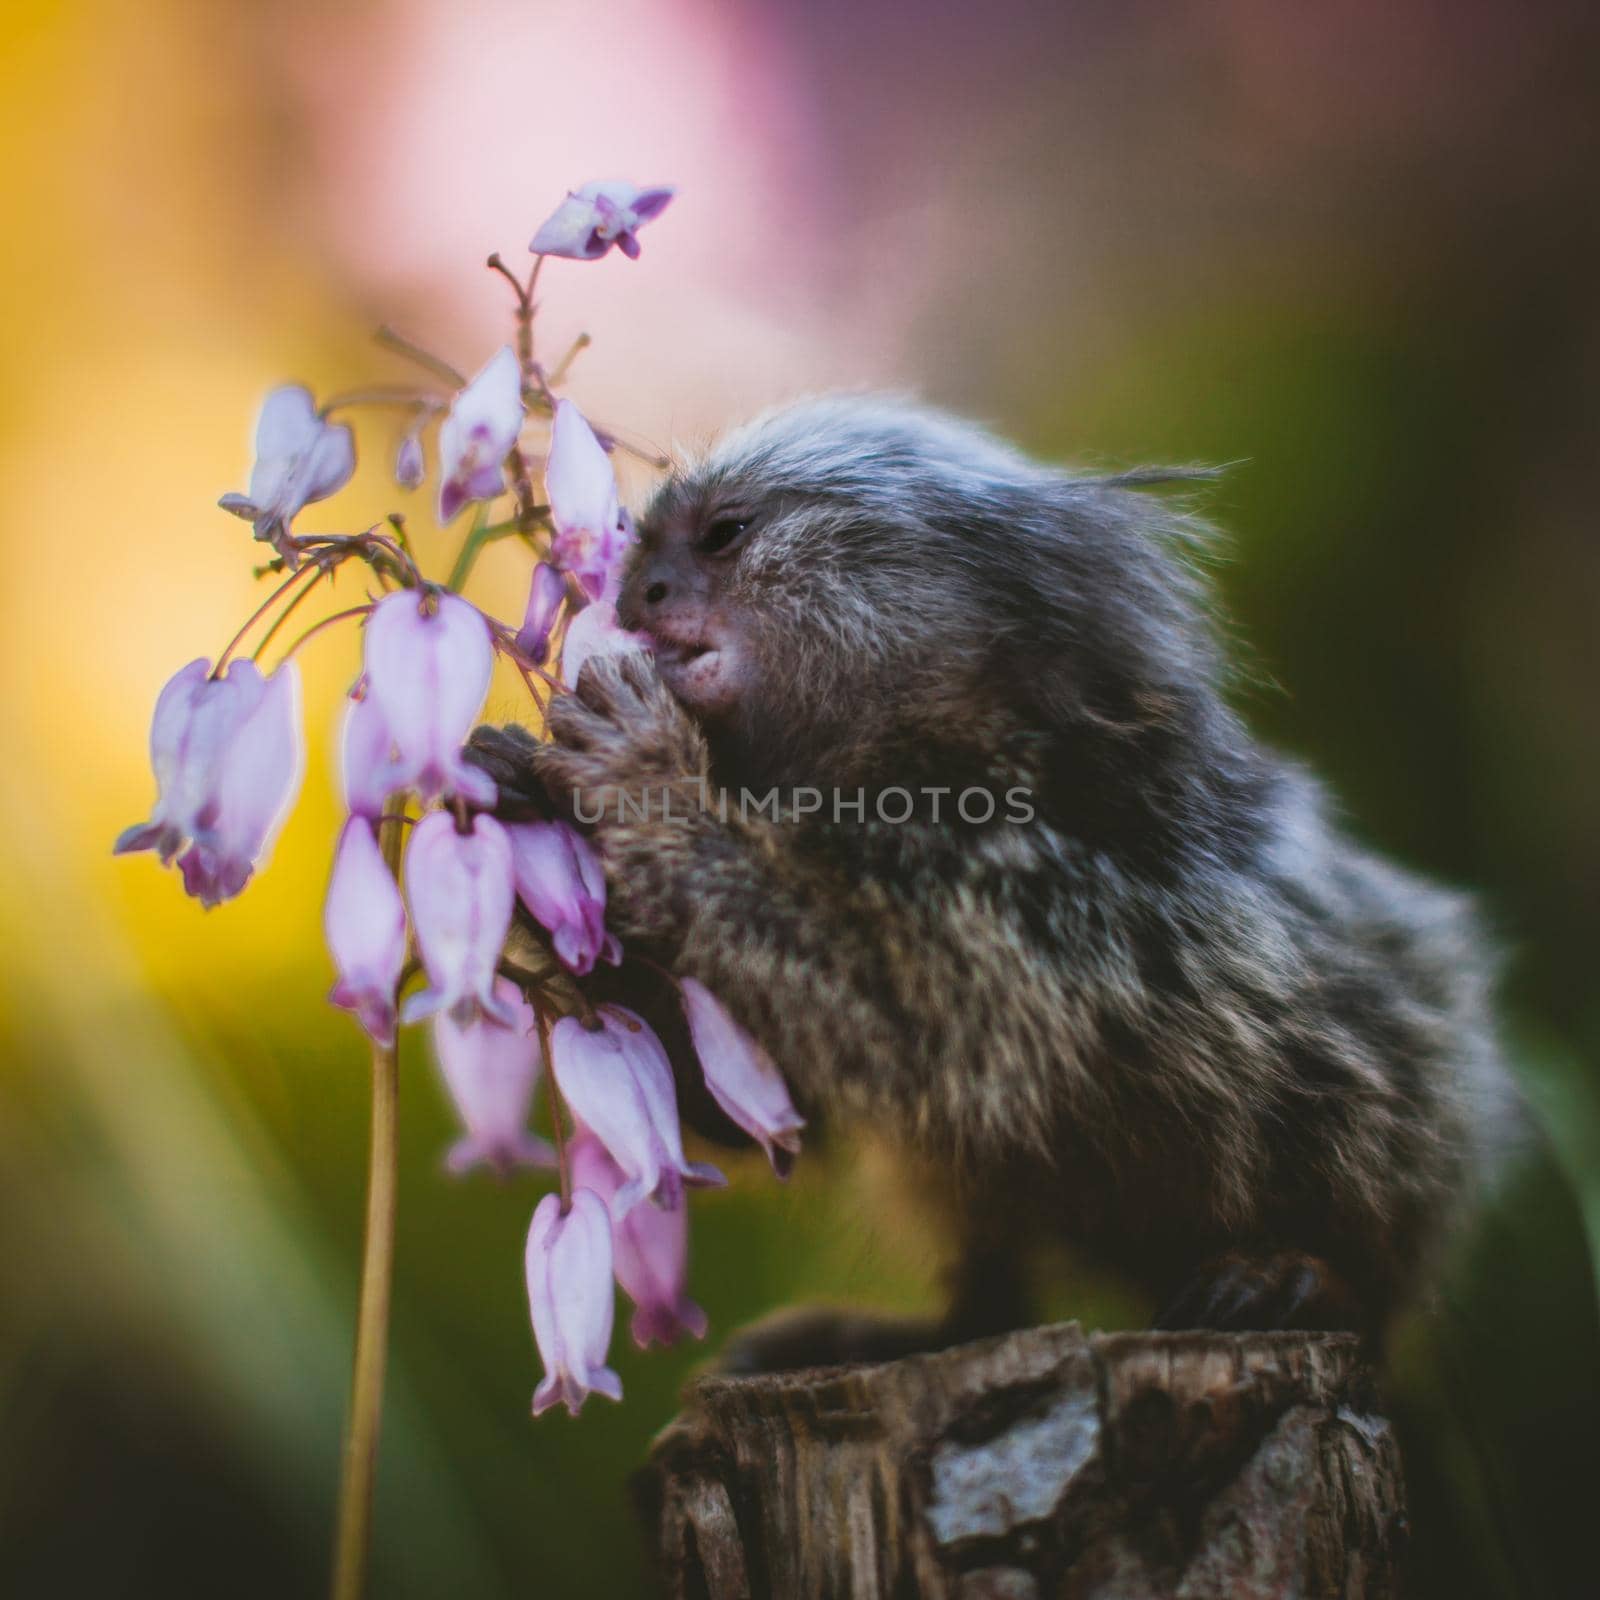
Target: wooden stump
1045 1463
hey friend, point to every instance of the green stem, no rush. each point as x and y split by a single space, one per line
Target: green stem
353 1537
475 542
470 547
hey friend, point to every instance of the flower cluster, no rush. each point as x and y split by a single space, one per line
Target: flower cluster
428 883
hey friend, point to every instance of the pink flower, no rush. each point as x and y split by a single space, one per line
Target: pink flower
591 532
300 457
477 435
571 1300
409 466
618 1082
559 879
370 769
458 886
545 595
650 1252
227 757
491 1072
429 657
742 1078
365 923
595 631
592 219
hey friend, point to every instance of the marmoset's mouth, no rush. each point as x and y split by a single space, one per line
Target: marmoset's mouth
679 653
696 671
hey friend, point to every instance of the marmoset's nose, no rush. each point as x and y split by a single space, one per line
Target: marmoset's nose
647 590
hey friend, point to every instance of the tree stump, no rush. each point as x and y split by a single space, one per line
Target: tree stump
1045 1463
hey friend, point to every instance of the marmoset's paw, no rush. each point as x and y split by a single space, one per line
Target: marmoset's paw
620 736
1237 1292
827 1336
509 755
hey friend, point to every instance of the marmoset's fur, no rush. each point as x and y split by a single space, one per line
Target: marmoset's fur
1177 1018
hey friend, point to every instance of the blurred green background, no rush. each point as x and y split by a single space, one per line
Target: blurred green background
1351 249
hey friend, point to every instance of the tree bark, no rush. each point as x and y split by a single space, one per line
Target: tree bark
1045 1463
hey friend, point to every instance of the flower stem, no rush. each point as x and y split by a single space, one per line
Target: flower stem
327 622
261 611
353 1537
557 1107
287 612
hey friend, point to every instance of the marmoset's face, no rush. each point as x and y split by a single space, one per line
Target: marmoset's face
684 589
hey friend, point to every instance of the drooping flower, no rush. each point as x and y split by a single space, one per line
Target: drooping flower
300 457
649 1250
560 880
571 1300
595 631
429 658
477 435
227 758
618 1082
409 466
742 1078
369 764
591 532
491 1072
458 886
592 219
545 595
365 923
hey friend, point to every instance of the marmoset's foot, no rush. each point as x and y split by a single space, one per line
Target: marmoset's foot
1239 1292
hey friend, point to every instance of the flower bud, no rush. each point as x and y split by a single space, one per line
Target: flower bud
591 532
545 595
227 758
595 631
409 466
649 1251
571 1300
742 1078
491 1072
364 919
429 658
618 1082
477 435
458 886
560 880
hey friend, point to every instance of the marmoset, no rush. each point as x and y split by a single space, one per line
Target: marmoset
1119 978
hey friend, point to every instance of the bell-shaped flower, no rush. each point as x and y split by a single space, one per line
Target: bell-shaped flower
369 764
256 779
227 759
618 1082
742 1078
591 532
477 435
649 1251
491 1072
545 595
595 631
409 466
429 658
458 886
571 1300
560 880
300 457
364 919
592 219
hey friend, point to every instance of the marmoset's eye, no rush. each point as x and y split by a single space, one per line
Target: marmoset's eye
722 535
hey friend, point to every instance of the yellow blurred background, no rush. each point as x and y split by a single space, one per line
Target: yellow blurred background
1352 250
